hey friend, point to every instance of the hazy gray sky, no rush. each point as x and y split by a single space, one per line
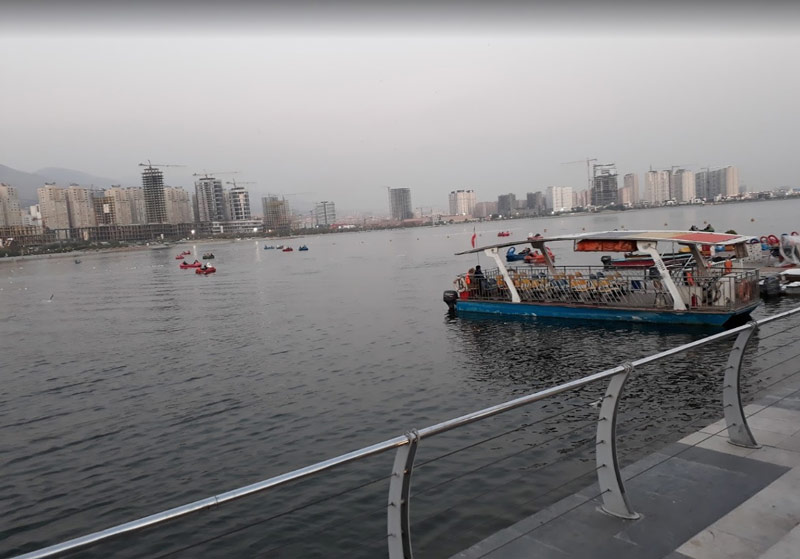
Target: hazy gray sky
344 103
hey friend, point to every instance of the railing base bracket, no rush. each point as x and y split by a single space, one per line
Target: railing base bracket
624 516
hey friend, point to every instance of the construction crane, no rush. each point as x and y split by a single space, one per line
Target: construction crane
234 183
151 165
210 174
588 162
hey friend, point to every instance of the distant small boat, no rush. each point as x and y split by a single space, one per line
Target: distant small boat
186 253
269 247
279 247
77 261
289 249
304 247
179 256
186 265
205 270
504 234
208 256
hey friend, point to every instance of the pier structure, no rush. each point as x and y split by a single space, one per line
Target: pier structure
729 489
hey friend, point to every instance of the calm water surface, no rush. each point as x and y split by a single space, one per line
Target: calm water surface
140 386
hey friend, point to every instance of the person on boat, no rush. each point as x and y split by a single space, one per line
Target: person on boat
472 285
480 280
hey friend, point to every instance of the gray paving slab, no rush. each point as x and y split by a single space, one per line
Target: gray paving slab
712 500
671 491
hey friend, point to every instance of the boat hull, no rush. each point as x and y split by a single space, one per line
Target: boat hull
619 314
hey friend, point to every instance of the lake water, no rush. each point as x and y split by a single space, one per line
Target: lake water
130 386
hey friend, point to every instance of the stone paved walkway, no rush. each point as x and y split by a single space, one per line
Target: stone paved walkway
701 498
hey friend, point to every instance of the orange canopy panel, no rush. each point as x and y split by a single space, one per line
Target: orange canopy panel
605 245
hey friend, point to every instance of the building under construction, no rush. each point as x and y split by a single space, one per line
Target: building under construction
155 204
604 185
277 217
400 203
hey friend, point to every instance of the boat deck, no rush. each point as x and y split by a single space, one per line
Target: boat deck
700 498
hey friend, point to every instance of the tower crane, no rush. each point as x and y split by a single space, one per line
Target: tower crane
151 165
234 183
588 162
210 174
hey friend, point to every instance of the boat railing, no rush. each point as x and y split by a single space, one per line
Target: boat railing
398 513
624 287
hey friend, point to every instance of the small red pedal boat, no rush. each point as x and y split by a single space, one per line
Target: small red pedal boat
288 249
205 270
186 266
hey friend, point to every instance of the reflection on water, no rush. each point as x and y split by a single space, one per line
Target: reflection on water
140 386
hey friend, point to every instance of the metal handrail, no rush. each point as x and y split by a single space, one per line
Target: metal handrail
403 469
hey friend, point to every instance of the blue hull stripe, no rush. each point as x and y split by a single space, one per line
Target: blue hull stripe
602 313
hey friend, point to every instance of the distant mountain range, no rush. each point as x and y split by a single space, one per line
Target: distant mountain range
27 183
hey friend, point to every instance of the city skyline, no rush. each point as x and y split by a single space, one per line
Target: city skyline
496 103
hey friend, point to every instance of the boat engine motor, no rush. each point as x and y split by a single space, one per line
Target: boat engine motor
770 286
606 260
450 297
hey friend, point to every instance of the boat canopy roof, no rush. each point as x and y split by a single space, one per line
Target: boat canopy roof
622 241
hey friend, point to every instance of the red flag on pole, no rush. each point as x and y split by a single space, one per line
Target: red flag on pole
474 236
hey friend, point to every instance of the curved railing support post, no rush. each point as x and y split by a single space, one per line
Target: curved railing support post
612 489
738 430
398 516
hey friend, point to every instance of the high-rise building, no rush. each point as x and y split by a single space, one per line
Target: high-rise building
153 187
239 203
604 185
53 204
682 186
719 182
400 203
536 203
32 216
582 199
462 202
506 204
485 209
701 184
656 187
559 198
81 207
105 212
178 205
729 181
9 206
325 214
129 208
210 199
631 182
276 214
